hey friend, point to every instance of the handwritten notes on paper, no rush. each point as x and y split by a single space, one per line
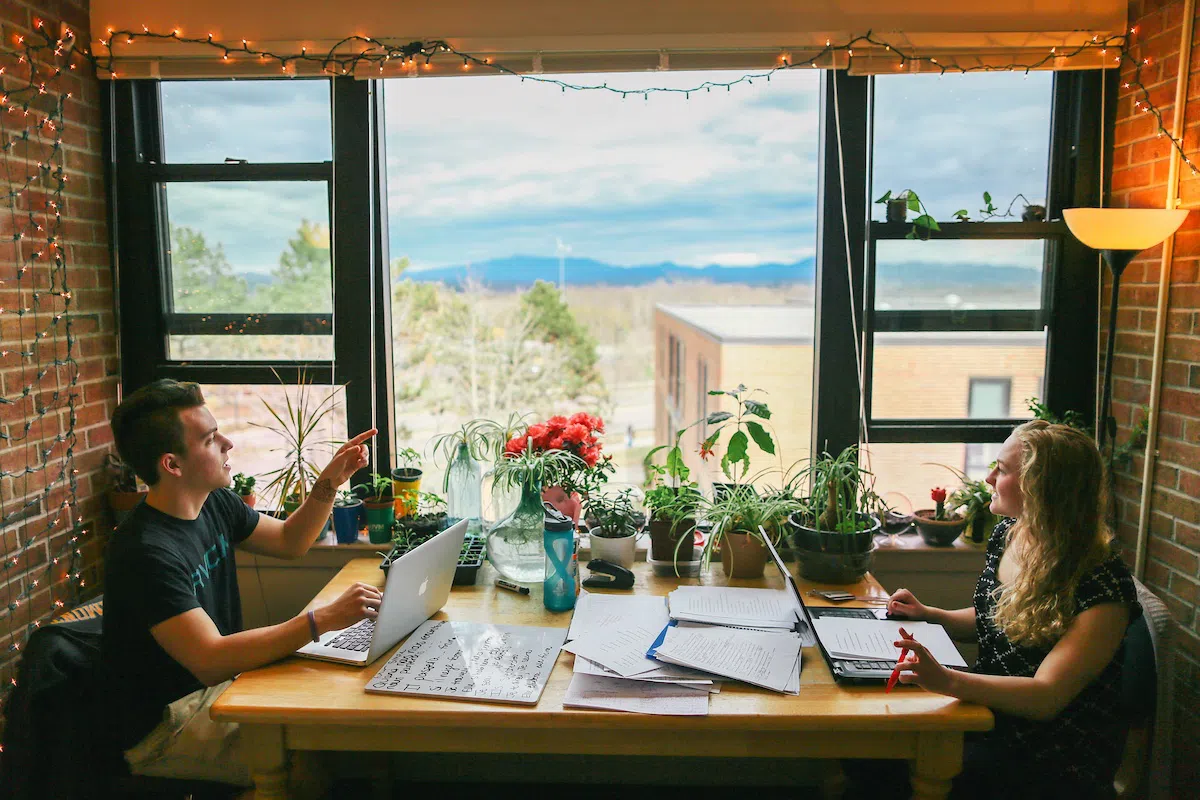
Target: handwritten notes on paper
770 660
867 638
472 661
736 606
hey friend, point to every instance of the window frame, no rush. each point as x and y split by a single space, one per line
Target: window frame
138 179
361 265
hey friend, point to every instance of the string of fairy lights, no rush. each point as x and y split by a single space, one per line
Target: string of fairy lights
35 304
33 281
354 53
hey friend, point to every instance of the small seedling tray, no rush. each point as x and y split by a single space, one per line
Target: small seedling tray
470 559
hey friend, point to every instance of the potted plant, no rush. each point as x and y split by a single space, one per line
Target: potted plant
833 530
514 544
463 450
900 204
938 527
380 507
494 436
739 521
973 499
567 482
123 492
427 518
406 481
735 461
297 424
671 503
347 516
615 533
243 486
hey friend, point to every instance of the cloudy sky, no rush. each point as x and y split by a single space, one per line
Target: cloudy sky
484 167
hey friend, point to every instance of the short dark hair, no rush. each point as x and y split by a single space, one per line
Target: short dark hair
146 424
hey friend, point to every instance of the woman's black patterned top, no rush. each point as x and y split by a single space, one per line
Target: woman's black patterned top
1083 743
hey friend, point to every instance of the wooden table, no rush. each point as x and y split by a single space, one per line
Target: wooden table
301 704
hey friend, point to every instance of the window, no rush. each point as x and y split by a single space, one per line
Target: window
552 239
702 388
989 398
245 202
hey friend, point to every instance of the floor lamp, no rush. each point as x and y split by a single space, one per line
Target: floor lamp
1120 234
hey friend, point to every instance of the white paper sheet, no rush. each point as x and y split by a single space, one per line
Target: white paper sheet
616 694
726 605
594 612
770 660
622 650
874 638
663 673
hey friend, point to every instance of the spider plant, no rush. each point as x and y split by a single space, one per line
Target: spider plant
296 424
843 494
744 512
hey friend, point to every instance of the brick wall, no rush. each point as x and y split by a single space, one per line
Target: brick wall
84 234
1140 163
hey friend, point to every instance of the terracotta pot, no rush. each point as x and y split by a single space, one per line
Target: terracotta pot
938 532
743 555
664 541
570 506
249 499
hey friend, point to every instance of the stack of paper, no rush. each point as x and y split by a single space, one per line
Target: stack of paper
734 606
614 694
770 659
610 636
875 639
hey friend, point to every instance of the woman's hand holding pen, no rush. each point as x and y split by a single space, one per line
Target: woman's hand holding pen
921 668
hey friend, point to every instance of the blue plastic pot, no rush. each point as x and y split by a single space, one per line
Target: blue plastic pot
346 522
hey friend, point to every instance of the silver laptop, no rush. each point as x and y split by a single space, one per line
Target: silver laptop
418 584
844 670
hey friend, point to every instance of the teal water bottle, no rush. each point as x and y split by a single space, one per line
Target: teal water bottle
558 587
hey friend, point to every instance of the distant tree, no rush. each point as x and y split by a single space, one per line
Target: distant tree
550 320
201 277
302 280
471 352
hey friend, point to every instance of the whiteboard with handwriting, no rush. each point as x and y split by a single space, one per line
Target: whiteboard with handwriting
472 661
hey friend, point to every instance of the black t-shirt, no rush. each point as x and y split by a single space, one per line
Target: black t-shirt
158 567
1081 746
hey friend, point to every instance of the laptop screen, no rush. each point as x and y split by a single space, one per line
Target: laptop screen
788 581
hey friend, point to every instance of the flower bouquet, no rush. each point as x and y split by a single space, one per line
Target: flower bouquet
566 481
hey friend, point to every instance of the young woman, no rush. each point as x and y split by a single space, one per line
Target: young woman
1049 613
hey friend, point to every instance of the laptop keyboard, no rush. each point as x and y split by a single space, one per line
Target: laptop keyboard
357 637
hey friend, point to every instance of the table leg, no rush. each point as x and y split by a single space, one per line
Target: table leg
939 759
268 761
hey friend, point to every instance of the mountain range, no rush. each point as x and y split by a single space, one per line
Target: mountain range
520 270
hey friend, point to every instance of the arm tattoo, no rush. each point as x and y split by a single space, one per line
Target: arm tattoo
324 492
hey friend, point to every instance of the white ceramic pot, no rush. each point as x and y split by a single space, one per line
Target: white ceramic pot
618 551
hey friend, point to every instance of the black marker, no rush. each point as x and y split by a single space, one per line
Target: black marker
512 587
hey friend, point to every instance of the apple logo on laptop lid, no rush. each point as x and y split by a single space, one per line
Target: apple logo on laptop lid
424 586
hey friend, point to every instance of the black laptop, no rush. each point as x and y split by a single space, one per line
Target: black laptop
844 670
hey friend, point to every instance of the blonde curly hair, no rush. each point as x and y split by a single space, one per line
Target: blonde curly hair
1061 532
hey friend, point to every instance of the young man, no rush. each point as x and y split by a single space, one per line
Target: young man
173 637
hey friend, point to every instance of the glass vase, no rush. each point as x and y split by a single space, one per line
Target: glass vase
463 484
514 544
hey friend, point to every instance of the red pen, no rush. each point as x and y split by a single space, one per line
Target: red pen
895 676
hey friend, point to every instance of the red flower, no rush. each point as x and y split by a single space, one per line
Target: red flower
540 434
938 495
575 433
705 451
515 445
590 455
582 418
597 424
557 423
555 443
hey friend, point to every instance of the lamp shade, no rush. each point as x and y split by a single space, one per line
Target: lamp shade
1123 228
